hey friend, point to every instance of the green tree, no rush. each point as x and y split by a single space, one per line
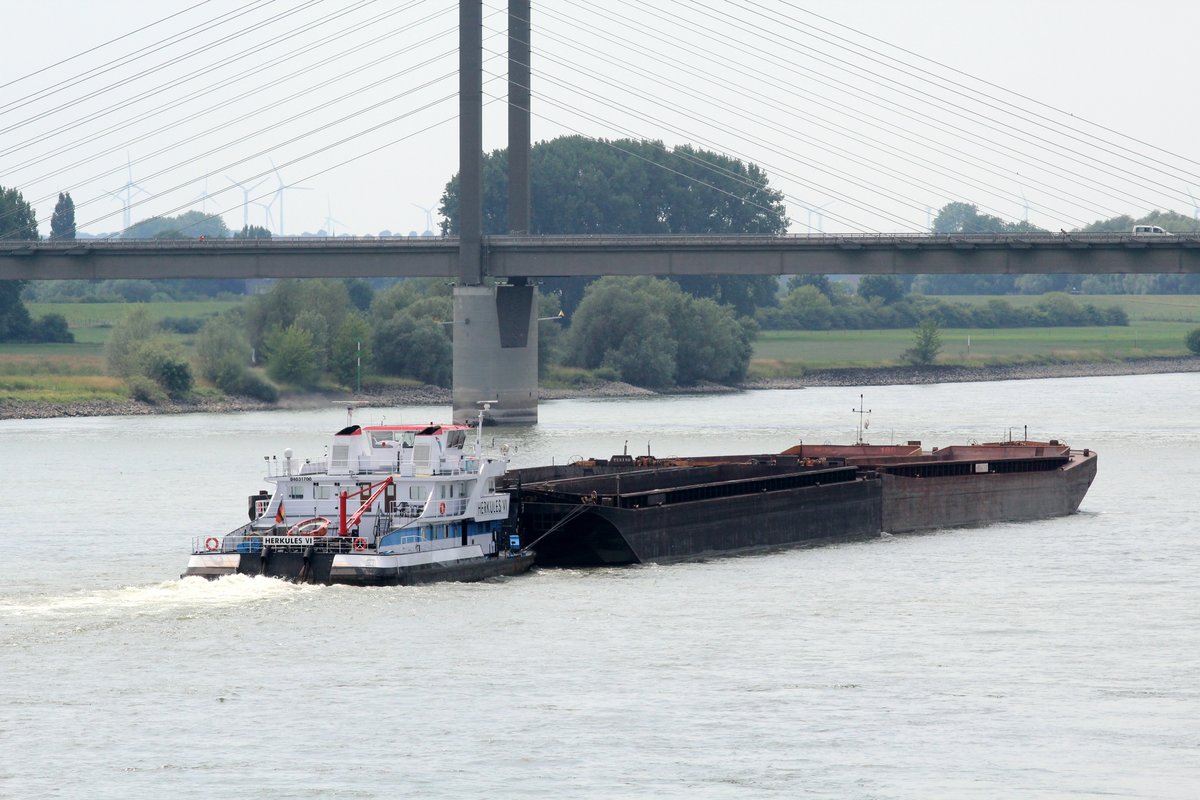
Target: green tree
320 305
653 334
188 225
1193 341
292 357
222 352
415 348
927 342
883 287
625 186
807 308
17 221
252 232
123 351
62 223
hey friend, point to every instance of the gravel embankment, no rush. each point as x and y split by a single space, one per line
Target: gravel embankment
888 376
434 395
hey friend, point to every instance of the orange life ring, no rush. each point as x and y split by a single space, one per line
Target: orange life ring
212 543
314 526
442 507
360 544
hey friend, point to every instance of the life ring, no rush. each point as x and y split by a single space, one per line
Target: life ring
442 507
212 543
315 526
360 544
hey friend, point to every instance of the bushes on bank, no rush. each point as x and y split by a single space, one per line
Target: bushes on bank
1193 341
654 334
807 307
144 357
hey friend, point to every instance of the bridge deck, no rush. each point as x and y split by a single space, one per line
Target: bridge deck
545 256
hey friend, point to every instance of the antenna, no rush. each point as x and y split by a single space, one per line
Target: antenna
485 408
1195 206
860 411
1025 205
929 218
350 404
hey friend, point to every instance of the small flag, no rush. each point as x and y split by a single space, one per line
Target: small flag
279 513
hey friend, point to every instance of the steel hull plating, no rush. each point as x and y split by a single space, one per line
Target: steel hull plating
919 504
668 514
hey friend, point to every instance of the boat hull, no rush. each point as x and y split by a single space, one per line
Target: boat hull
913 504
356 569
590 517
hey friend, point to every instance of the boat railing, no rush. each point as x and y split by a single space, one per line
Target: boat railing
253 544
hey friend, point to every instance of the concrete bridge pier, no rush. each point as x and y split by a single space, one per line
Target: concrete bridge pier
496 353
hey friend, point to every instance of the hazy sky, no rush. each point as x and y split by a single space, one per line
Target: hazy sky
356 101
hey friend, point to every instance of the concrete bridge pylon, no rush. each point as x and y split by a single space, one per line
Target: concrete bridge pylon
496 353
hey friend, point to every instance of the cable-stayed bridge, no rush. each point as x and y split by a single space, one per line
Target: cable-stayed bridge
875 171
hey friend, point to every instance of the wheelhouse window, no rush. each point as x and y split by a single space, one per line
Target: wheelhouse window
295 491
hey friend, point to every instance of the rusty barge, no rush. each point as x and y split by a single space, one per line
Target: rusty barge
627 510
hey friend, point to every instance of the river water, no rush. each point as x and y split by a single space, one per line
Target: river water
1050 659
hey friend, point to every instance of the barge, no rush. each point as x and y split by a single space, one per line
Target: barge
627 510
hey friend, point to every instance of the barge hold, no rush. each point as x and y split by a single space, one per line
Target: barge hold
627 510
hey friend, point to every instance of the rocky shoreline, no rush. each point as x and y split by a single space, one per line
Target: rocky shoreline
436 395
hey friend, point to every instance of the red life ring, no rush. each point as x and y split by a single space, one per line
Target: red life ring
212 543
360 544
442 507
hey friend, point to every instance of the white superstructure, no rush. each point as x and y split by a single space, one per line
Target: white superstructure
383 498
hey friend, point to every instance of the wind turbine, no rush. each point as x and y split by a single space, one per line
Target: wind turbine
819 211
245 198
329 220
428 219
127 198
1195 207
278 198
1025 205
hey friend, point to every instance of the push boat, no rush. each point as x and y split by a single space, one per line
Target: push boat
387 505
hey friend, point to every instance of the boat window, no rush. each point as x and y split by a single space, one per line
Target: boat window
407 438
295 490
456 438
416 492
322 492
380 438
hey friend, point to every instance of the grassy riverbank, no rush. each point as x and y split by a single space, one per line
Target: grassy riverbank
46 379
1157 328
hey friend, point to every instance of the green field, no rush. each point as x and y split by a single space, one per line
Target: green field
66 373
91 322
1157 327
